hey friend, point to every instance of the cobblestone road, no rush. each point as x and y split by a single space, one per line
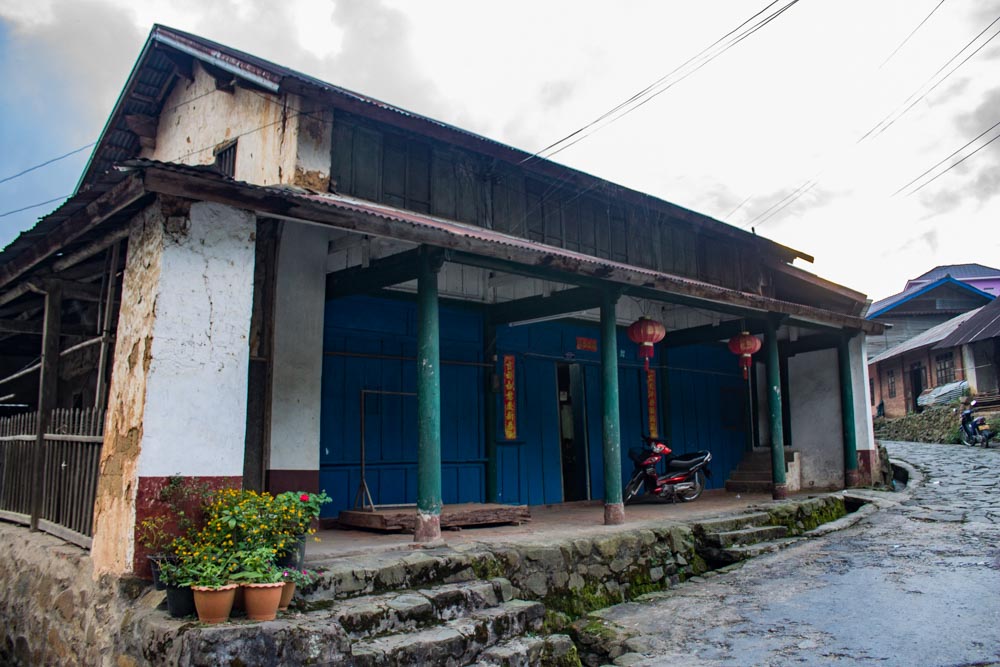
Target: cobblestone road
916 583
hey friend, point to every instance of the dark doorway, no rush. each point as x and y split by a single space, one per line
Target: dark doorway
916 384
573 432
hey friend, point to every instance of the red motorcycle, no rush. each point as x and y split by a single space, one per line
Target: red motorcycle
684 479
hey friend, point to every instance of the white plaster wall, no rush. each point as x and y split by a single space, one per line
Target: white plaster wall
863 426
197 118
817 430
969 364
300 296
196 392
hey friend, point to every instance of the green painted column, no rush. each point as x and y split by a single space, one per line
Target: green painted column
428 526
851 476
614 509
780 486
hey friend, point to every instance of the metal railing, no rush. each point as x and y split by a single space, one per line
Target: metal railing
70 464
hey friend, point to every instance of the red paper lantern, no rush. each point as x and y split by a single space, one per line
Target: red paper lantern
744 345
646 333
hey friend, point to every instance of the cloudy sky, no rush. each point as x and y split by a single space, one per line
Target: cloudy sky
774 132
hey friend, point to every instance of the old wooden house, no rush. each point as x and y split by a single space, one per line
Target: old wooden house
283 284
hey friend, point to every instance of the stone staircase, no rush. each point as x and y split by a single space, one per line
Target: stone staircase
753 474
730 540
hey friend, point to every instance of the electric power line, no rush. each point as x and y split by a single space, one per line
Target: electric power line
954 165
46 163
912 33
942 161
43 203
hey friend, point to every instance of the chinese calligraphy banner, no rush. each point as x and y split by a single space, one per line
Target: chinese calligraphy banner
509 399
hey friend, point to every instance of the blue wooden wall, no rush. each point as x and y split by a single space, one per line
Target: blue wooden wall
362 325
707 406
702 383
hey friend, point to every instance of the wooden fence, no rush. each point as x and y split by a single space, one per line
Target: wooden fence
70 463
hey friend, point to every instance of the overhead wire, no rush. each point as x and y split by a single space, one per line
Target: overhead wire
950 167
593 126
912 33
942 161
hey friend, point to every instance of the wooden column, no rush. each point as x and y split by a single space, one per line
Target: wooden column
490 397
614 509
779 485
851 476
48 385
428 526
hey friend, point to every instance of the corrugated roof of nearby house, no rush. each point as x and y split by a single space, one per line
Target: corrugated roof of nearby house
985 324
957 271
884 305
927 338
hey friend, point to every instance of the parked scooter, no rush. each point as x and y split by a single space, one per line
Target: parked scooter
684 479
974 430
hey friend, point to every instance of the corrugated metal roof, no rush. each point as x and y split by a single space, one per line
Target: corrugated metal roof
155 69
985 324
927 338
959 272
880 307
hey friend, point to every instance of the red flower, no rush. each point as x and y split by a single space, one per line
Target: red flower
304 497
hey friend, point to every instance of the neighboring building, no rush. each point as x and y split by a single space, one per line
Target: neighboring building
919 307
983 278
977 339
900 374
319 290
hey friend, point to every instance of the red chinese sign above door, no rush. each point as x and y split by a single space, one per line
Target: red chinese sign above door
651 404
509 399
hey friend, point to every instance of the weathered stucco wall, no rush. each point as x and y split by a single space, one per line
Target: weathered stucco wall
281 138
863 427
817 427
298 350
197 118
177 404
114 506
195 417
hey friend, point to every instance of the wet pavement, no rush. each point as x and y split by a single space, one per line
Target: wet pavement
916 583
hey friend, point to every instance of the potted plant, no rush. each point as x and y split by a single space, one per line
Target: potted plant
261 581
153 536
210 571
292 579
176 510
180 597
295 512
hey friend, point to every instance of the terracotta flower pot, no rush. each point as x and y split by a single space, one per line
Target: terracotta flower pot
286 595
214 604
262 600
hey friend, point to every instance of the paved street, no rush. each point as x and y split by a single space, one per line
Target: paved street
916 583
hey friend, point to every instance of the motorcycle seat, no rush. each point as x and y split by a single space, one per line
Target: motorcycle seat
687 460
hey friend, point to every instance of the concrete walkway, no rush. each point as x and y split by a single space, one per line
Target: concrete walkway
548 521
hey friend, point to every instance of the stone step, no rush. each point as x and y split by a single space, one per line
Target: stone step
751 476
720 557
747 487
457 642
371 574
739 522
529 651
373 615
745 536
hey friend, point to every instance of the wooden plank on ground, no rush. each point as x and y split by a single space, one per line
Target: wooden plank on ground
453 517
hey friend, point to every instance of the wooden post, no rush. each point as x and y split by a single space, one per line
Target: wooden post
779 485
109 306
48 385
490 397
851 476
614 509
428 526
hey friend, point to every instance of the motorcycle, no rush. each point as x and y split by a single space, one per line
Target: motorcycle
685 477
974 430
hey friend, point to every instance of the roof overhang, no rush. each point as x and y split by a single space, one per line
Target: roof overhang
464 243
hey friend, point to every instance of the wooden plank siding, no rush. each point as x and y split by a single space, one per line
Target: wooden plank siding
383 164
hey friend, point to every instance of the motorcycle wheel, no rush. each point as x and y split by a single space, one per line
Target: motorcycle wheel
632 489
699 486
965 438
